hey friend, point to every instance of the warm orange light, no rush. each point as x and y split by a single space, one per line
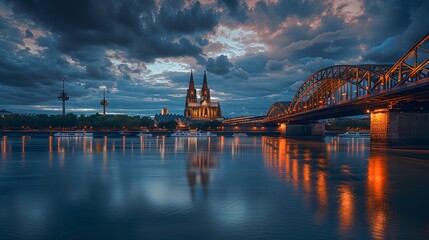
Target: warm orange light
367 111
376 202
306 173
23 144
50 144
346 208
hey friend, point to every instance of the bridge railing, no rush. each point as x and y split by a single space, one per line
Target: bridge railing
345 83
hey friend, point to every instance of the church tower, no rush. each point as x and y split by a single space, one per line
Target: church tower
205 91
191 95
205 109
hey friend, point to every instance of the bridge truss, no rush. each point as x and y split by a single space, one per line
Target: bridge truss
345 84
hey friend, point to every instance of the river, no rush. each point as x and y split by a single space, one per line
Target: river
162 187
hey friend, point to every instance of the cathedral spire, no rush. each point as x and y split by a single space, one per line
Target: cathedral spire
205 91
205 86
191 81
191 95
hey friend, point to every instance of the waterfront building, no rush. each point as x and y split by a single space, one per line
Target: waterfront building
164 111
205 109
163 118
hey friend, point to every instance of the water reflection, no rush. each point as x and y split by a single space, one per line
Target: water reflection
346 209
261 187
198 168
322 197
309 165
376 201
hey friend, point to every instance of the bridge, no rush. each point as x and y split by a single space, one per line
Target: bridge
396 96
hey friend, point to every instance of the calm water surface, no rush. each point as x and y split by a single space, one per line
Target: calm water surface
218 188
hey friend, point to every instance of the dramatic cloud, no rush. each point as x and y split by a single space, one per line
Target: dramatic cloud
255 52
220 65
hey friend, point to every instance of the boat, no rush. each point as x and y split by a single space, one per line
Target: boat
180 133
240 135
73 134
142 134
354 135
122 133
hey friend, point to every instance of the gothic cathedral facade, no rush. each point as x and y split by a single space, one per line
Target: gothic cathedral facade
205 110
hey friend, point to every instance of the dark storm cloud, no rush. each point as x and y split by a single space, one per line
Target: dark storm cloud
190 20
275 65
395 35
221 65
135 26
201 41
111 42
253 64
237 9
272 15
9 36
28 34
98 71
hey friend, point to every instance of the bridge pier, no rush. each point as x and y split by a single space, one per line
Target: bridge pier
302 130
398 127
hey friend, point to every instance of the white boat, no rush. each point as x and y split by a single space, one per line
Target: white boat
73 134
240 135
354 135
179 133
142 134
122 133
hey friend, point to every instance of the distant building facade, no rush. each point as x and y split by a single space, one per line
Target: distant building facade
164 111
4 113
180 119
205 110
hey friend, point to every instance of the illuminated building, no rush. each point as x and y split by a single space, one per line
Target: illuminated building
205 110
164 111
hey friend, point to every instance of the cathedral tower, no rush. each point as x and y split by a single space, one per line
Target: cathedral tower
191 95
205 91
205 110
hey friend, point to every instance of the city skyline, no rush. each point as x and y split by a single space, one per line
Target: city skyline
255 52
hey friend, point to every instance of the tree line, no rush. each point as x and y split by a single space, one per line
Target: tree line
348 123
96 122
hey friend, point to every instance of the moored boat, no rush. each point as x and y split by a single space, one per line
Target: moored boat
73 134
122 133
180 133
240 135
354 135
142 134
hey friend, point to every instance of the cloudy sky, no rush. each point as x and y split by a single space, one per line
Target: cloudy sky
256 52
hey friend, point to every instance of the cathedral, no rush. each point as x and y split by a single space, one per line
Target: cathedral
205 109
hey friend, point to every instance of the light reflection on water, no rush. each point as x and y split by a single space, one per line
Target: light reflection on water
162 187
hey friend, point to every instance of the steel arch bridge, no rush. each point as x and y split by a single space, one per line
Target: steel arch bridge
343 90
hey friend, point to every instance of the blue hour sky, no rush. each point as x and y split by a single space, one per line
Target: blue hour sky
255 52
